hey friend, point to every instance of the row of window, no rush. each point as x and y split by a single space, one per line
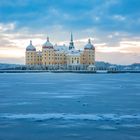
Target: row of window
30 53
34 59
56 63
75 58
55 55
74 61
88 55
55 58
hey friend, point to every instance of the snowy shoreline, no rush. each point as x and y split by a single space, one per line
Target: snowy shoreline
68 71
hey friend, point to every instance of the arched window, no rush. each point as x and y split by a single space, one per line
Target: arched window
72 61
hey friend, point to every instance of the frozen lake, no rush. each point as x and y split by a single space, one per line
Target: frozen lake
51 106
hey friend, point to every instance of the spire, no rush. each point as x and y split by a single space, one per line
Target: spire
71 46
71 37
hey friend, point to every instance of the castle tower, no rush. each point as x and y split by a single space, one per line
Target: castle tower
30 54
48 53
88 57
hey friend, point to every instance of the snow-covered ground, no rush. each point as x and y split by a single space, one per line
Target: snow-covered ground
48 106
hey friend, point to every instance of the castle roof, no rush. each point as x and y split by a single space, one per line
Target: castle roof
30 47
89 45
47 44
74 52
61 48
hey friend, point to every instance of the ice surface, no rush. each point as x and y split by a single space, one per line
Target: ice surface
69 106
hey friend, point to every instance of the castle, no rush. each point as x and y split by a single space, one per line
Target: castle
61 57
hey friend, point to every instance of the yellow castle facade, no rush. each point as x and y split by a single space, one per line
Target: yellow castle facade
61 57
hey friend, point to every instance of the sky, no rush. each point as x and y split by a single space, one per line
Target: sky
112 25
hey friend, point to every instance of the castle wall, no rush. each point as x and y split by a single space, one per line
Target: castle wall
30 58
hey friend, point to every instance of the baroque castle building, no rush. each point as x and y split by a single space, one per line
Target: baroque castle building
61 57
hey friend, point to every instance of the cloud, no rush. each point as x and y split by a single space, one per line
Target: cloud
119 17
7 27
113 25
118 58
70 14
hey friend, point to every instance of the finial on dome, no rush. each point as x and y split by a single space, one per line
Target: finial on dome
47 39
89 41
30 42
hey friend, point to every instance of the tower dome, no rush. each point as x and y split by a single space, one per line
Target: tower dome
30 47
89 45
47 44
